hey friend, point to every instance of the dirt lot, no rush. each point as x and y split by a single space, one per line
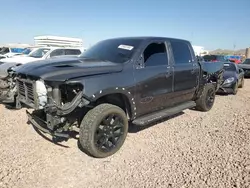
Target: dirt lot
193 149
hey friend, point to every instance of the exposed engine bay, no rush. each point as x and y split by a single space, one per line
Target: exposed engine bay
55 106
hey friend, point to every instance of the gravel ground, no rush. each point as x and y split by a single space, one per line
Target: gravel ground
194 149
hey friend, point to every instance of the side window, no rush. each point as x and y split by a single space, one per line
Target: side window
181 52
155 55
72 52
57 52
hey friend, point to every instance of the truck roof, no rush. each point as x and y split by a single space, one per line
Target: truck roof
150 38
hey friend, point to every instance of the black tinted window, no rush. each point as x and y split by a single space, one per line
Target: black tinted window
181 52
114 50
155 55
57 52
72 52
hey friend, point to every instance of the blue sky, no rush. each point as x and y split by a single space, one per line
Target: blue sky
210 23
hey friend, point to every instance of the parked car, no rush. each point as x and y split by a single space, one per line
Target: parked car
43 53
25 52
135 79
9 52
234 58
6 81
245 65
214 58
233 78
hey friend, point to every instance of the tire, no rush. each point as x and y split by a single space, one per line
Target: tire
203 103
242 83
94 127
235 88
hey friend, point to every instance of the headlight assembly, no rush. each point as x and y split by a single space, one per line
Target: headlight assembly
229 80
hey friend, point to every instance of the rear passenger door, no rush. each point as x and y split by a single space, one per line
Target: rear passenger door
154 78
186 71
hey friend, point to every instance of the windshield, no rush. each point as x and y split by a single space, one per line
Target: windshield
114 50
229 67
39 53
247 61
26 51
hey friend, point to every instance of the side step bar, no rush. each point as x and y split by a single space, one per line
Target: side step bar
155 116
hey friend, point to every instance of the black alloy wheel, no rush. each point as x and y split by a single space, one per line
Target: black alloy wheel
109 132
103 130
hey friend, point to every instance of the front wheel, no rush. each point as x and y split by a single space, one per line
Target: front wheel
235 88
242 83
103 130
206 101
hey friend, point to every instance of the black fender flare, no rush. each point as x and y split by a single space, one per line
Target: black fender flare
117 90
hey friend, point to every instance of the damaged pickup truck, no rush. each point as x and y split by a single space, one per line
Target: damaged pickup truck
116 81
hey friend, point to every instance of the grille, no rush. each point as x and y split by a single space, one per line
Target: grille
26 92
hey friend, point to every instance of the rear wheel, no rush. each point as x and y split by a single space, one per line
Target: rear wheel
207 98
103 130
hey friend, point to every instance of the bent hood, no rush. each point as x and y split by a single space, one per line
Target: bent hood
62 69
19 59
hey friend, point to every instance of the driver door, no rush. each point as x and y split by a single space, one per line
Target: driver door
154 78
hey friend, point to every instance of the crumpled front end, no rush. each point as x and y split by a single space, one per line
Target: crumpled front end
55 104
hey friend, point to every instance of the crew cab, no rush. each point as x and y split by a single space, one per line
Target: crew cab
116 81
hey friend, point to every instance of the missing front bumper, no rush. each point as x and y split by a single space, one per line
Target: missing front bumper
42 126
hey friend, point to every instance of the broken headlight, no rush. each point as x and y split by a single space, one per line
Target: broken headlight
69 91
41 91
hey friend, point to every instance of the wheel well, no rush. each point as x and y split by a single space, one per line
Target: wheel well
117 99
